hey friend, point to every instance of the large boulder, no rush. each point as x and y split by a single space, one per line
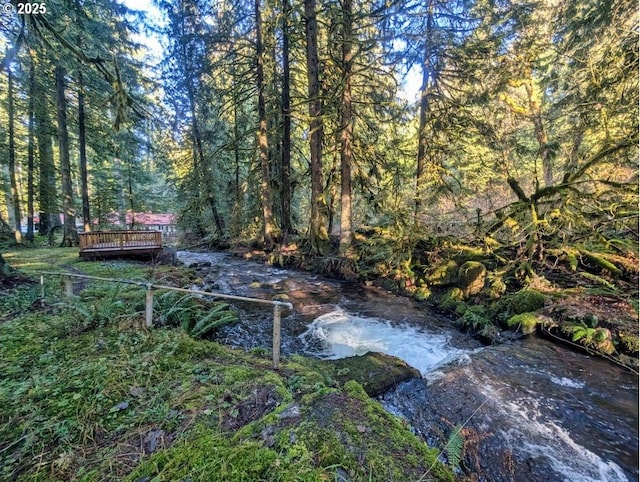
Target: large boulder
376 372
471 278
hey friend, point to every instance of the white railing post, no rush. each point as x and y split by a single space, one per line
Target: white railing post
68 285
276 335
148 312
42 290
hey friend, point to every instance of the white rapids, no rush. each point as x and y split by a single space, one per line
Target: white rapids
341 335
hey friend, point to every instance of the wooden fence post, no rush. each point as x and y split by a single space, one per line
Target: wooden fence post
276 336
148 312
68 285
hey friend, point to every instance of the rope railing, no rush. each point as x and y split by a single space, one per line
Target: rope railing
150 287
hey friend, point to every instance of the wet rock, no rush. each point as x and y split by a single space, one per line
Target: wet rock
292 411
376 372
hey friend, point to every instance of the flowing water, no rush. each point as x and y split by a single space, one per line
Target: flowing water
532 411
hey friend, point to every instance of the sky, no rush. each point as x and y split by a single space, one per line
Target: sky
409 86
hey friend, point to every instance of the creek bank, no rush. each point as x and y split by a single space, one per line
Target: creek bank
578 301
99 398
569 402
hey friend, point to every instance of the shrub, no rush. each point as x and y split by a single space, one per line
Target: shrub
475 317
451 299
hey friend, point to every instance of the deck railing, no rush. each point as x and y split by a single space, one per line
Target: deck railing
119 239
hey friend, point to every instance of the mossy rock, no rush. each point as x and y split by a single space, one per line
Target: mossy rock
525 301
444 274
471 278
525 322
376 372
351 431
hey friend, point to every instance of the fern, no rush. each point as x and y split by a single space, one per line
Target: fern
455 446
212 322
583 334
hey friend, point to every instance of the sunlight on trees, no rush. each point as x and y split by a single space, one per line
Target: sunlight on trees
273 121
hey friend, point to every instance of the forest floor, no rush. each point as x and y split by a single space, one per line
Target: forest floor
88 393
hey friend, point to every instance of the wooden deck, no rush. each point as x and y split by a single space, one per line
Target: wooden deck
103 244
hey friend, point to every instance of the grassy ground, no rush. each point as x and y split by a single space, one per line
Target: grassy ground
87 393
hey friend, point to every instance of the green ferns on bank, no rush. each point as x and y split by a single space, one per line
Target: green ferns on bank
198 317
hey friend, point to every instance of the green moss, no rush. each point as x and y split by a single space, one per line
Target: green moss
377 372
206 455
88 394
525 301
444 274
601 262
525 322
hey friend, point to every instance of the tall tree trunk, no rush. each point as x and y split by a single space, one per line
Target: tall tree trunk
70 236
30 153
346 134
265 197
13 181
200 164
132 221
425 106
285 171
317 230
237 203
48 212
82 145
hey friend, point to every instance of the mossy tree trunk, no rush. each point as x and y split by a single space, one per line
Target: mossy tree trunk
318 234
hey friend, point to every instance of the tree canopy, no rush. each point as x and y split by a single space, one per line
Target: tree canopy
263 120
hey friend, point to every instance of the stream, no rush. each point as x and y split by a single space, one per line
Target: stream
531 410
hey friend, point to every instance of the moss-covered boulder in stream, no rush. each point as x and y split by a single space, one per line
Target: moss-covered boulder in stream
376 372
471 278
